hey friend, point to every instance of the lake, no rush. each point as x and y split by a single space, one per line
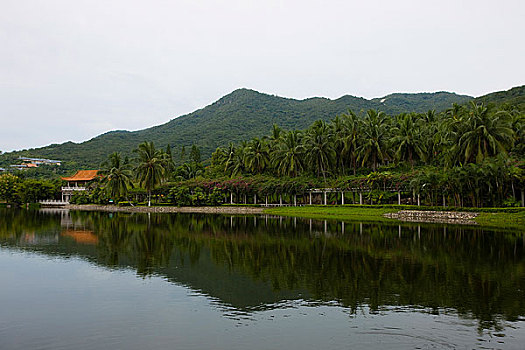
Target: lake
93 280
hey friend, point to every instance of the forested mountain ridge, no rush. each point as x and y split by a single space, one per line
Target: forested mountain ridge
240 115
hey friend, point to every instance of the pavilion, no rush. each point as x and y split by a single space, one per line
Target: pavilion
77 183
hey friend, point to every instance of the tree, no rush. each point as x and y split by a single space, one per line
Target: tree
407 139
151 167
170 164
9 185
374 138
182 154
350 137
257 157
195 154
320 152
116 176
287 158
485 134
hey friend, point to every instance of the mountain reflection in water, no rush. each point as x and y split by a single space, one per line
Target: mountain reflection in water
254 263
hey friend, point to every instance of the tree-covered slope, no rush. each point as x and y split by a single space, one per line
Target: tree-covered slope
238 116
513 98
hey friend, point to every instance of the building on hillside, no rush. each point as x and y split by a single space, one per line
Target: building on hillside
28 163
39 161
77 183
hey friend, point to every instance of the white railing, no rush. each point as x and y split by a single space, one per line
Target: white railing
69 188
54 202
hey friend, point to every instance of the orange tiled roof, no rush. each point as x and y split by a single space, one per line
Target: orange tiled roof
82 175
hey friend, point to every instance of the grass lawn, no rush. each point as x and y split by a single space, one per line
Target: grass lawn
512 221
497 218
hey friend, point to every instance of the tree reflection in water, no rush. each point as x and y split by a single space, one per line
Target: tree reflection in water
250 263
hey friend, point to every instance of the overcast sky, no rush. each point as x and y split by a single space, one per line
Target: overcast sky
70 70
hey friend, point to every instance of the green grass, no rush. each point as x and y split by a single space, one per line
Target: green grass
511 221
496 218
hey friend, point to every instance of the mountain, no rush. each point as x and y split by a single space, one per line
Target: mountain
238 116
513 98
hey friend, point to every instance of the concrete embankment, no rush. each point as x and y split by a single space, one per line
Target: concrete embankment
442 217
204 210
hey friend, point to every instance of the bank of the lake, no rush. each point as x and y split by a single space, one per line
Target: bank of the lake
503 218
234 209
500 218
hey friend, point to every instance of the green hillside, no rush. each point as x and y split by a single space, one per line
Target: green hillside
510 99
240 115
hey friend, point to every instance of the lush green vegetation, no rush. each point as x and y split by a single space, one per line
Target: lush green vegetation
241 115
17 190
467 156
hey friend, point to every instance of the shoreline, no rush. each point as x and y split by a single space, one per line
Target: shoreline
495 219
167 209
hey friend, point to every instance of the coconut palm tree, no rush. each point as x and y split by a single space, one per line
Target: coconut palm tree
116 176
257 156
485 134
151 167
407 139
288 156
235 159
319 148
351 138
375 136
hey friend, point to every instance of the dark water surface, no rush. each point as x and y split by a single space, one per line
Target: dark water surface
81 280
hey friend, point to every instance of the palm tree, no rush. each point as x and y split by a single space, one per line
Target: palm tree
151 167
288 155
257 156
319 148
485 134
374 138
351 137
235 159
407 140
116 176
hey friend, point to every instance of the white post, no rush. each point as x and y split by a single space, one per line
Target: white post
310 197
255 199
266 200
324 197
281 200
398 197
360 198
342 198
294 200
231 197
418 200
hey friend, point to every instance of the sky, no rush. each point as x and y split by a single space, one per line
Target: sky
71 70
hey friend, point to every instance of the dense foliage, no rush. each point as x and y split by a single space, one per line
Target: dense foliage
16 190
235 117
470 155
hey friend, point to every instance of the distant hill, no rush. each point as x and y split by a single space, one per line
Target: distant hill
513 98
238 116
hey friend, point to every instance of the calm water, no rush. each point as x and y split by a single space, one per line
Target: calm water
182 281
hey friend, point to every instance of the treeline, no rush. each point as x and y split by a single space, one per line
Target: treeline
466 156
352 144
17 190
